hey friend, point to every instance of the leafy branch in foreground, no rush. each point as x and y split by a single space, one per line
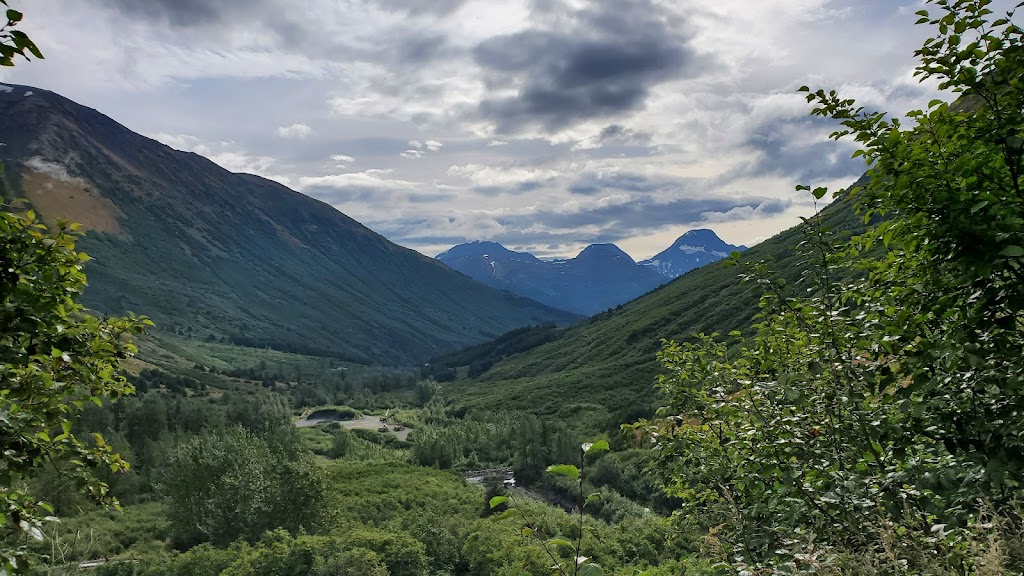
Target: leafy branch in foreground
578 565
54 359
879 413
15 42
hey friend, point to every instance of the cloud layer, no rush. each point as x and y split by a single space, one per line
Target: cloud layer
543 124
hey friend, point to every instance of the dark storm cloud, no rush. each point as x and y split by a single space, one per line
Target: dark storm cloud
783 149
203 19
409 45
187 13
197 12
417 7
619 134
626 220
774 206
597 62
421 48
591 184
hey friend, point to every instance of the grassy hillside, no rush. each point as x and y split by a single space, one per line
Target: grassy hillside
216 256
602 372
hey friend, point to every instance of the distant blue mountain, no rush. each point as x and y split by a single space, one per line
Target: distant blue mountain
602 276
690 251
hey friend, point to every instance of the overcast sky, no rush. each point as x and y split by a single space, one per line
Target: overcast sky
545 125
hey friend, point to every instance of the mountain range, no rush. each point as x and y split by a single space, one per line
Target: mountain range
602 372
602 276
689 252
218 256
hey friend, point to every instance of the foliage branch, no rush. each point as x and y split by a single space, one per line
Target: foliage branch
880 410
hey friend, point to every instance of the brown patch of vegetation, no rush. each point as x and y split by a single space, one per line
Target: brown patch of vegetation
72 199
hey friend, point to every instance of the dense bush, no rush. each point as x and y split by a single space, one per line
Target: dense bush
878 416
54 359
232 484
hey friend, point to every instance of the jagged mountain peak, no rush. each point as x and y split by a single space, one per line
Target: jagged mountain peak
703 237
600 277
698 235
692 250
476 247
483 251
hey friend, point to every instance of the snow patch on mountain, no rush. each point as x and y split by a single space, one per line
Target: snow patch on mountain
692 250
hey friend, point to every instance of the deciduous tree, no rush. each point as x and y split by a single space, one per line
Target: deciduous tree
888 405
54 359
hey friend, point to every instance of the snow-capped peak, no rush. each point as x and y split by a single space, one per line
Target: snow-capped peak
692 250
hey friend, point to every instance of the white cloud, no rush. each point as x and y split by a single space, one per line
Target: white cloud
482 175
375 179
419 149
297 131
227 155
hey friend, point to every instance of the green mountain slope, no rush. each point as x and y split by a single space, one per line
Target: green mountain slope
213 255
602 372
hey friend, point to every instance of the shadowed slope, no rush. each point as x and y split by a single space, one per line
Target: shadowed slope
209 254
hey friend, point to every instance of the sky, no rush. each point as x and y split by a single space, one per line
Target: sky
545 125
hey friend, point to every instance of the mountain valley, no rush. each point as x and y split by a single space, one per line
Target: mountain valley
225 352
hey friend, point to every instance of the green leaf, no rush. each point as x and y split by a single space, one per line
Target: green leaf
593 497
595 447
564 470
34 50
721 569
560 542
498 501
14 16
1012 252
